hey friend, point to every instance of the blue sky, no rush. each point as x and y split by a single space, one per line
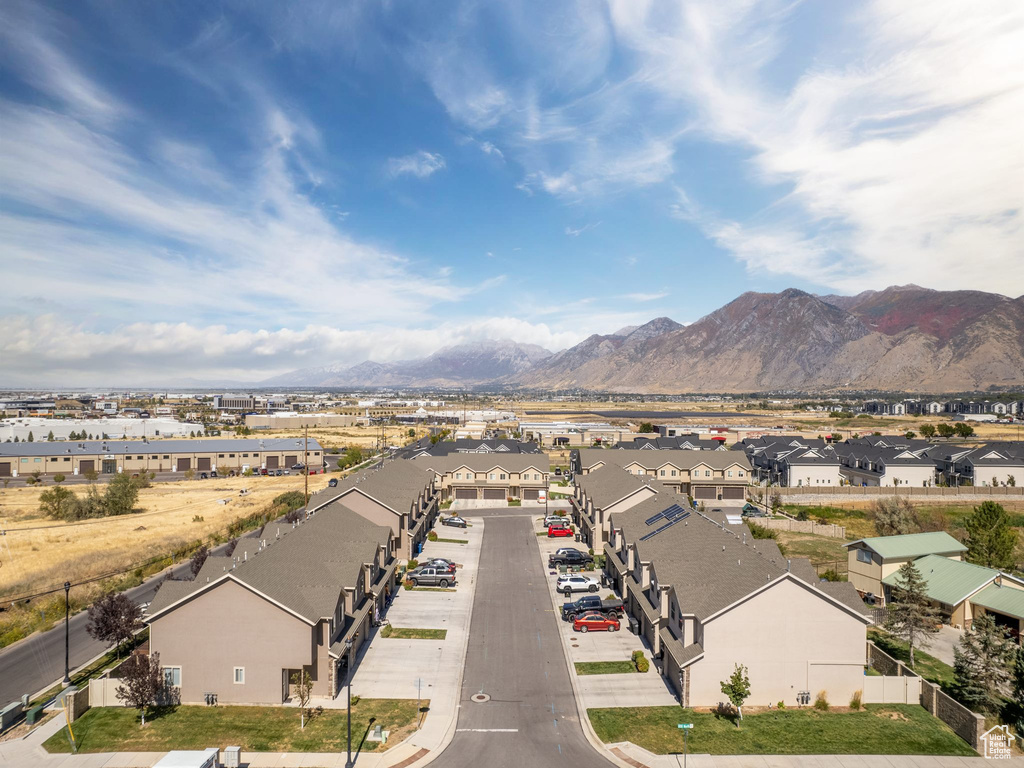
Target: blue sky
232 190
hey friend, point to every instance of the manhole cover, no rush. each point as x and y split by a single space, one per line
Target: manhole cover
481 698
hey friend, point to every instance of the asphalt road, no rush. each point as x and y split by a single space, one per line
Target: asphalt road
36 662
516 658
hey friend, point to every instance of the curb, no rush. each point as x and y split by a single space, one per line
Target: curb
588 729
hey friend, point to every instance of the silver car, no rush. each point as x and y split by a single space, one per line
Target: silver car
429 576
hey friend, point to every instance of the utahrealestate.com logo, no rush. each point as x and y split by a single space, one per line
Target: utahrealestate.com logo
997 743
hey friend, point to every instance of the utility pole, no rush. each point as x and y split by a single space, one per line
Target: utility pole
67 636
348 654
305 463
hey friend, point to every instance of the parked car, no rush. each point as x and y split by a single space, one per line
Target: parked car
213 474
591 603
556 520
454 520
279 473
332 483
202 475
555 531
298 467
263 471
749 510
440 562
568 583
595 622
430 576
569 556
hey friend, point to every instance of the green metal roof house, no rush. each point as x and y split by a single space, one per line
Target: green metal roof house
871 560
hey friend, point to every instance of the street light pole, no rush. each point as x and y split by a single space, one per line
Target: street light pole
67 636
348 654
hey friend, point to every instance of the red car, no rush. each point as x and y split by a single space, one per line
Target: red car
595 622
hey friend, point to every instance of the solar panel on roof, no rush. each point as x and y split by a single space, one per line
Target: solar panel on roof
666 514
677 514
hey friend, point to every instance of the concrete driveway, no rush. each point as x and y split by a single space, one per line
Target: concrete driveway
943 642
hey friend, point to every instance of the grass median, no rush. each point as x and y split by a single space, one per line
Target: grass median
413 633
604 667
254 729
880 729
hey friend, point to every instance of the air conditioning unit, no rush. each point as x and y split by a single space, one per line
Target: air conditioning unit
232 757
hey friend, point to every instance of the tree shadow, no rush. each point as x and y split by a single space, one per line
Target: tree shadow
727 712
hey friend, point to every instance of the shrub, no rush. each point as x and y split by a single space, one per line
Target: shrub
407 584
855 700
641 662
198 519
432 536
832 575
385 631
781 705
821 703
412 564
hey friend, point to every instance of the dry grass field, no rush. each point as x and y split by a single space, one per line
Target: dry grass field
39 552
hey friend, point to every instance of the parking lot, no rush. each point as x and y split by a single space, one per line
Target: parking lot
614 690
390 667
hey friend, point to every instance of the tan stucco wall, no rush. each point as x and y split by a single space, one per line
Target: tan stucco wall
226 627
790 639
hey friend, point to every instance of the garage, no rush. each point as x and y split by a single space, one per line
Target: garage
732 493
273 462
531 494
183 464
203 465
291 461
495 494
704 492
5 469
465 493
86 466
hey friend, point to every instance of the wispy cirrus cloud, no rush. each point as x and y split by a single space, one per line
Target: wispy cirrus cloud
644 297
577 231
420 164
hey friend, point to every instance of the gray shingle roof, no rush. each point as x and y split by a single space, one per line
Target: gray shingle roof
482 462
590 457
611 483
305 571
397 484
711 566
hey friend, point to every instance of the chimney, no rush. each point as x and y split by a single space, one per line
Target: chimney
789 566
663 602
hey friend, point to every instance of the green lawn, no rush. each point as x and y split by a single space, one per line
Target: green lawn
254 729
604 667
411 633
893 729
927 666
453 541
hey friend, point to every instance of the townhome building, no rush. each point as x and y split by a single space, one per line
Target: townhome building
993 464
704 475
489 476
602 493
296 599
424 447
887 467
706 595
399 494
688 442
789 460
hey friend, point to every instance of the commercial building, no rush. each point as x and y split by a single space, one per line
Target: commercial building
292 420
573 434
111 427
112 456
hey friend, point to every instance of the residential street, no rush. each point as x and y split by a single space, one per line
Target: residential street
516 658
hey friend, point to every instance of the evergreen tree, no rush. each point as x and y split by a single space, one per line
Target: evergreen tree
911 616
49 437
990 539
31 439
1015 710
981 665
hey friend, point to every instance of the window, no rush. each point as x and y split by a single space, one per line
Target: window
674 473
154 457
167 456
863 556
172 676
730 473
502 476
231 455
140 458
219 456
490 476
663 473
36 461
741 473
239 675
707 473
67 458
245 455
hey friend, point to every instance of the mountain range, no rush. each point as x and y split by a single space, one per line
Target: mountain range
902 338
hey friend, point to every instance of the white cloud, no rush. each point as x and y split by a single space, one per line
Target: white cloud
489 149
48 351
577 231
644 297
420 164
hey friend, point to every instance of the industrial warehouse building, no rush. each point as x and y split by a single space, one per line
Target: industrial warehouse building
109 457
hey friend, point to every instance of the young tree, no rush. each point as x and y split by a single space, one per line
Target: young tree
303 692
49 437
911 616
198 559
990 539
92 475
927 431
121 495
981 664
411 432
737 688
190 474
58 503
113 619
59 478
945 430
646 427
776 501
31 439
142 682
909 434
894 516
